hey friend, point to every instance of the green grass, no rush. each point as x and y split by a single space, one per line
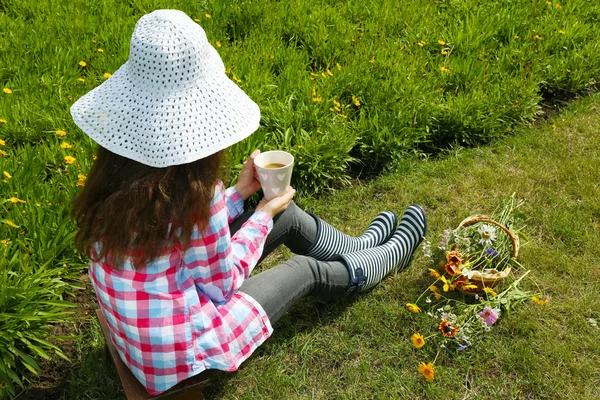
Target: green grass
360 347
404 107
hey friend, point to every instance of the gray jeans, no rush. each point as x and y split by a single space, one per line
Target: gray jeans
280 287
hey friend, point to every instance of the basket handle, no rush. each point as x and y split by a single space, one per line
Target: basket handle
482 218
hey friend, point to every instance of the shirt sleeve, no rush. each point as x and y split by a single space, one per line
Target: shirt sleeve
220 263
235 204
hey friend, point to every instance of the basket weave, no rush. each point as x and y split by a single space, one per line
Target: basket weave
490 279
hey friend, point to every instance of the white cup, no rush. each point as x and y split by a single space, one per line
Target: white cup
275 182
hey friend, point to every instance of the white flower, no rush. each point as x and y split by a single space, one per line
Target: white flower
468 273
488 234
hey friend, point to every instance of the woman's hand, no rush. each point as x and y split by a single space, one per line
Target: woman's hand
247 183
277 205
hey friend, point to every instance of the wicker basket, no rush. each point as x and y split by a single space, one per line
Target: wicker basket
490 279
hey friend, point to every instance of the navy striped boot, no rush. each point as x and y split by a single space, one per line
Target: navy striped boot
368 267
330 241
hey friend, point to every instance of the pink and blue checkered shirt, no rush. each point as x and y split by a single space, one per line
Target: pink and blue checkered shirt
183 313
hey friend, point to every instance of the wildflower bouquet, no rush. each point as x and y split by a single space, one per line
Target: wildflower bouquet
472 259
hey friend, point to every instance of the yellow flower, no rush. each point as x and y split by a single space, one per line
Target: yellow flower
323 74
549 3
2 121
444 69
6 174
489 291
435 292
218 44
568 70
554 126
441 42
7 90
82 63
10 223
434 273
61 133
271 56
356 101
543 301
235 78
413 307
94 157
427 371
81 79
538 37
444 52
100 51
3 153
372 60
2 142
106 75
558 5
93 40
329 72
65 145
5 242
417 340
338 66
196 20
469 286
81 180
16 200
207 16
317 99
336 103
69 159
516 37
561 31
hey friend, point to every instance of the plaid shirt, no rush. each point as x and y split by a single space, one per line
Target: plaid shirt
183 313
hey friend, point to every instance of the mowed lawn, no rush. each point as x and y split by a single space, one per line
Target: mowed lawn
360 347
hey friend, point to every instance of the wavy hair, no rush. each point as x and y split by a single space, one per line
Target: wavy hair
127 206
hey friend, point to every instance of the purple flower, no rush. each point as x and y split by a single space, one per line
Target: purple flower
491 252
461 348
489 315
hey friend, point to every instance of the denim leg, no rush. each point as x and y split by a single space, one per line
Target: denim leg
280 287
293 227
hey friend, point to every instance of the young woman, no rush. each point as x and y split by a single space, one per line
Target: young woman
171 250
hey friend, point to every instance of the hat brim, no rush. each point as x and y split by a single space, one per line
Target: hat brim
163 128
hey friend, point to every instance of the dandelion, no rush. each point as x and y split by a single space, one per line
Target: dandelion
236 79
2 121
196 20
488 234
69 159
434 273
441 42
16 200
61 133
81 180
448 330
417 340
543 301
7 90
317 99
313 76
2 142
10 223
323 74
444 69
329 72
558 5
7 175
106 75
82 63
413 307
538 37
421 43
549 3
3 153
489 315
516 36
554 126
427 371
355 101
271 56
338 66
208 16
444 52
372 60
5 242
99 51
561 31
218 44
489 291
65 145
80 80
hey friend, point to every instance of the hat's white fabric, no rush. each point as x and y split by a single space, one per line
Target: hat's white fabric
171 102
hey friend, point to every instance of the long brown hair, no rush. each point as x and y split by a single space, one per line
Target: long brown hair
127 206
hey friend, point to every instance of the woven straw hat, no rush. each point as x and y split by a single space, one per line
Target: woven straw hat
171 102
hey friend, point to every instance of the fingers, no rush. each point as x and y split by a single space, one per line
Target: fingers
254 154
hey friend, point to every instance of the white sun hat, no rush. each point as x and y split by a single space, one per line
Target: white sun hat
171 103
